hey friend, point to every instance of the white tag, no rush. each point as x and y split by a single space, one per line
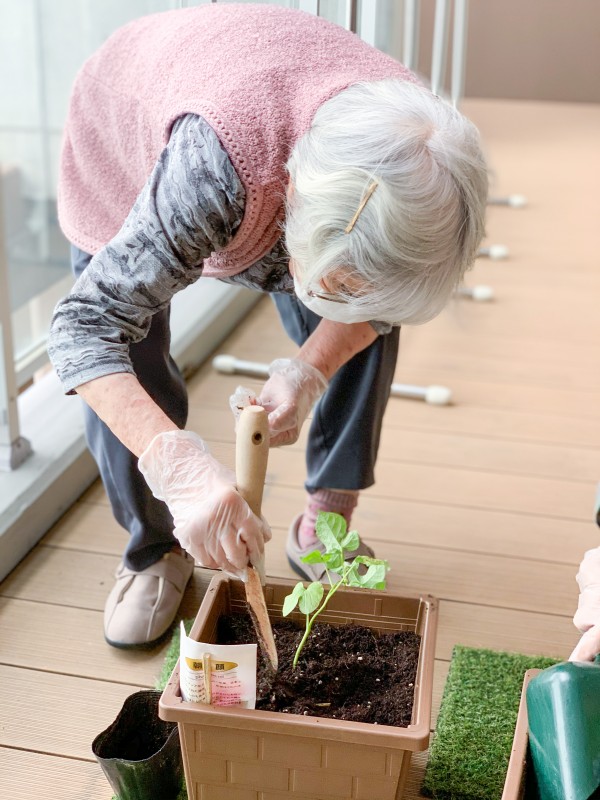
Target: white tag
217 674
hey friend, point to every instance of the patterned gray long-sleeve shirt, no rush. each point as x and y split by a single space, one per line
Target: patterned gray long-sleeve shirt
190 207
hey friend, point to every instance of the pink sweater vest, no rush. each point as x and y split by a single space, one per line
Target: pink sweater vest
256 73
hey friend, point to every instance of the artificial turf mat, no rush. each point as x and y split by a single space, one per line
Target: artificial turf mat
471 747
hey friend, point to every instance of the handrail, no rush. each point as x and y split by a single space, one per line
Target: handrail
351 15
14 449
440 45
459 50
410 34
311 6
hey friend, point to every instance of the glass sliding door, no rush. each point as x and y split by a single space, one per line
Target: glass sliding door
42 45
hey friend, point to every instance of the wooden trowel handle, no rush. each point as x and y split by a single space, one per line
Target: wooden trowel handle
251 455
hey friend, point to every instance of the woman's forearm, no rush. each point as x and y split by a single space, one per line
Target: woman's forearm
127 409
333 344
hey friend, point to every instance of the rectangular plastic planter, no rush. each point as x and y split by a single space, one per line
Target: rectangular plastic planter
515 786
245 754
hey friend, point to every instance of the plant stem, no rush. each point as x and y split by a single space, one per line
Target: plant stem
302 643
310 621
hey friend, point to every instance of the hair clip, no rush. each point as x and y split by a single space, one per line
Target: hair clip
363 203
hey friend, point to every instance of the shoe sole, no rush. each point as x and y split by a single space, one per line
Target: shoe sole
142 645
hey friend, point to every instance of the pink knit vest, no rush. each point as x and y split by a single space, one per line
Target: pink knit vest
256 73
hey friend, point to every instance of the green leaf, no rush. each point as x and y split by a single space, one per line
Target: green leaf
330 529
352 575
368 560
351 541
374 577
292 600
311 598
334 561
315 557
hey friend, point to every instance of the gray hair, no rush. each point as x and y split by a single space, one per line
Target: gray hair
422 225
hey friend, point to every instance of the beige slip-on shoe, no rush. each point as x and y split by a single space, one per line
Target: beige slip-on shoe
142 605
314 572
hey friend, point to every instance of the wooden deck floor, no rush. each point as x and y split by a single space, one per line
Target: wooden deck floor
486 503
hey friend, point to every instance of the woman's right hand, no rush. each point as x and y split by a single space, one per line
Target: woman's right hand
587 616
212 520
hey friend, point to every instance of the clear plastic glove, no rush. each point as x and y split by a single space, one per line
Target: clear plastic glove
587 616
241 399
288 396
212 520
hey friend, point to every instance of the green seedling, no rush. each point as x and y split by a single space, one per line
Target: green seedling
311 600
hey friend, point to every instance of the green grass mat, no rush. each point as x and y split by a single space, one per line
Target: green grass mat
471 746
171 655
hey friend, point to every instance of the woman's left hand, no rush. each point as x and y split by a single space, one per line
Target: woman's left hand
288 396
587 617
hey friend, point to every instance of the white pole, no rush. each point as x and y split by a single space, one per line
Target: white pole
496 252
440 46
351 16
480 294
312 6
434 395
410 34
46 188
512 200
368 21
14 449
459 50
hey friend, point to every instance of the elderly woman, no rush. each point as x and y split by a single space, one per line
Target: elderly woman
269 148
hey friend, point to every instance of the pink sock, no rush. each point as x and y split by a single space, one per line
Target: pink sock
342 503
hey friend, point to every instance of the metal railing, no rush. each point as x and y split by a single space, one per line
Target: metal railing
14 449
363 18
441 38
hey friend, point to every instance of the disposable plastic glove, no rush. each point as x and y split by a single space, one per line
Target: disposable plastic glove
288 396
587 616
212 520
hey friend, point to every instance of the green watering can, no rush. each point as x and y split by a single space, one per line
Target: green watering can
563 707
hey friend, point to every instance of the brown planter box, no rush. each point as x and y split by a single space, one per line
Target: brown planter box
515 786
231 753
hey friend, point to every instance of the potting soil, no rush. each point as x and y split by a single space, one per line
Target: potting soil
344 672
131 742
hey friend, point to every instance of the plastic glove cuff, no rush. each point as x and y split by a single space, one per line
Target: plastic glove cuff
305 370
160 457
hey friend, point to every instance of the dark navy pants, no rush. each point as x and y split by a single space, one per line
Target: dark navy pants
343 438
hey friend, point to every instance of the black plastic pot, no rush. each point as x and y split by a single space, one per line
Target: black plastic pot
139 752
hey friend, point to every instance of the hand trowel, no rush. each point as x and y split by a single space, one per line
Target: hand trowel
251 455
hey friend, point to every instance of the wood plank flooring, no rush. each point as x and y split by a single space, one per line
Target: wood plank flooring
486 503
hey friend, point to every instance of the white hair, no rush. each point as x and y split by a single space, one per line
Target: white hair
422 225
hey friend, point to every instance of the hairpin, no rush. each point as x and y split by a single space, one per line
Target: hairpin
363 203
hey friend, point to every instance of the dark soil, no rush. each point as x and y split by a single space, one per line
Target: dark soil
346 672
137 733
